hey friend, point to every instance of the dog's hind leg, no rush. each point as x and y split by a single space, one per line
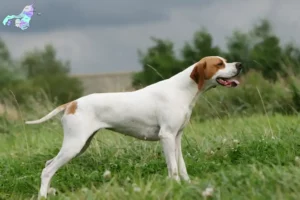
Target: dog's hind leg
68 151
85 147
48 162
87 144
75 139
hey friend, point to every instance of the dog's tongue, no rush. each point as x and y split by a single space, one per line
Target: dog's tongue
232 83
229 83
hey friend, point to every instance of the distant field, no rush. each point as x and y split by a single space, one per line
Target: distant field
240 158
113 82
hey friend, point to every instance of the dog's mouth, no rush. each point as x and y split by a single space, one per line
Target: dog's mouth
227 82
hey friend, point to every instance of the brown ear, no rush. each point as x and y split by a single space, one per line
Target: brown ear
198 74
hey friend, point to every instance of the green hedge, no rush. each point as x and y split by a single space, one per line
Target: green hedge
254 95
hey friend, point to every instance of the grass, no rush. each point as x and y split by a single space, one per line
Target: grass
241 158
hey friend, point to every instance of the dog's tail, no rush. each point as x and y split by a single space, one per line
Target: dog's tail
50 115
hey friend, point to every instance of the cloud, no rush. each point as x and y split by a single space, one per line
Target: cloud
111 34
57 14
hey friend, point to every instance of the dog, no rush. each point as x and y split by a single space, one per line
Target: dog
158 112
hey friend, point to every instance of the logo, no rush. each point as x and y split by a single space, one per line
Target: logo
22 20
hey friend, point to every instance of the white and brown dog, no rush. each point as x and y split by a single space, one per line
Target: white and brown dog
157 112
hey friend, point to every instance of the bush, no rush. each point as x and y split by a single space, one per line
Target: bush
39 72
254 95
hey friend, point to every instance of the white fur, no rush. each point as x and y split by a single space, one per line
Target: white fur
157 112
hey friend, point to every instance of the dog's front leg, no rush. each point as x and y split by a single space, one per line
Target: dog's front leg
169 147
181 164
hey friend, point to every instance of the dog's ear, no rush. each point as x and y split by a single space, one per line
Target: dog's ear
198 74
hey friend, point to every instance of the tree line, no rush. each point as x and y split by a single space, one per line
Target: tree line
270 66
37 72
259 49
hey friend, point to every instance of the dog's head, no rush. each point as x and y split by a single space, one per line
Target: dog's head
214 70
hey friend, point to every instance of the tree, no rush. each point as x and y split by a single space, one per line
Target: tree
260 49
44 63
43 71
201 46
291 58
159 62
266 52
4 53
238 46
267 56
8 71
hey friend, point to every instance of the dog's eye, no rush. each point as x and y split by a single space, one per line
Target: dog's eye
220 64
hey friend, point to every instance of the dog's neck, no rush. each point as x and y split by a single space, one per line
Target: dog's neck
188 86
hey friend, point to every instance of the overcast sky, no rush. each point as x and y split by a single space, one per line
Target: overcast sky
102 36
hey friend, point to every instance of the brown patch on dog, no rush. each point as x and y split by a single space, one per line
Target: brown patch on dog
71 108
205 69
198 74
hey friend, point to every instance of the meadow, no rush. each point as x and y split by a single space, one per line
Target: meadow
241 143
253 157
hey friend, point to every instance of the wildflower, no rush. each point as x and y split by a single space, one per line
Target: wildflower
107 174
84 190
236 141
136 188
52 191
297 160
208 192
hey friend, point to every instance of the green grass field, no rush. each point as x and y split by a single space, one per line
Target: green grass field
240 158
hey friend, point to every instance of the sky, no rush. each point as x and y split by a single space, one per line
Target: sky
103 36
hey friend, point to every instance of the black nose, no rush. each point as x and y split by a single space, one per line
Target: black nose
238 65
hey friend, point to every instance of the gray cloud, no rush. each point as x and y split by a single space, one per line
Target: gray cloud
57 14
112 33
